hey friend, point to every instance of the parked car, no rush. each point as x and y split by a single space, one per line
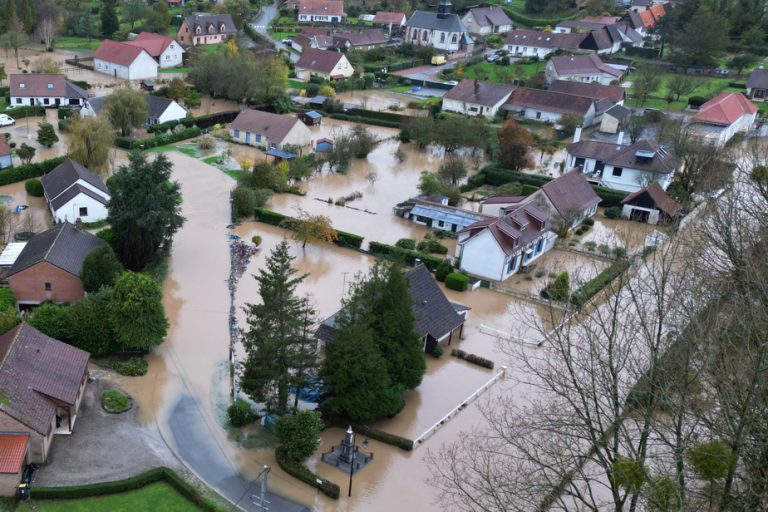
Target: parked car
6 120
722 72
493 57
438 60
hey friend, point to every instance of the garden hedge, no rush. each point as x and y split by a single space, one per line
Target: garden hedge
410 257
600 281
201 122
349 240
457 281
22 112
535 22
365 120
129 484
472 358
158 140
301 472
25 172
384 437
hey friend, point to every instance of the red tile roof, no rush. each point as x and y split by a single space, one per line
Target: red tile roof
119 53
725 109
154 44
658 11
319 60
385 18
647 19
13 451
322 7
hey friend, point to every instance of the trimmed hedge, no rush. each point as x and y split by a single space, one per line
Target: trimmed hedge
129 484
457 281
365 120
384 437
25 172
344 239
201 122
158 140
301 472
410 257
535 22
34 187
472 358
600 281
529 189
22 112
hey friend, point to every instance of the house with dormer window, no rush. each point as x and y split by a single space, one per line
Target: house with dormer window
45 89
206 29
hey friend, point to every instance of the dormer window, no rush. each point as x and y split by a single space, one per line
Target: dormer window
197 30
222 28
210 29
22 85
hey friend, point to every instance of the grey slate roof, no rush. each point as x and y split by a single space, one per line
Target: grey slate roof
618 112
626 156
63 246
433 313
157 105
36 370
65 175
212 21
571 191
758 79
490 16
73 192
431 21
480 93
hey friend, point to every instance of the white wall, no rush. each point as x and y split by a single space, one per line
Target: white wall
172 56
481 256
308 18
40 100
520 50
435 38
172 113
140 69
70 211
631 180
472 109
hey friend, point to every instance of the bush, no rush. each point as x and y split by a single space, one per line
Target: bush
406 243
443 269
299 471
7 298
240 413
529 189
100 268
384 437
437 352
410 257
256 240
34 187
349 240
132 367
431 247
109 236
456 281
597 283
298 433
24 172
244 202
589 221
558 289
343 239
696 101
158 140
472 358
614 212
51 320
115 402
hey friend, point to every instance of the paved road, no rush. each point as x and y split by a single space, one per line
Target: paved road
199 451
262 22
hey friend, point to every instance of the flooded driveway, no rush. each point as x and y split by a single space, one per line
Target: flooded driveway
36 218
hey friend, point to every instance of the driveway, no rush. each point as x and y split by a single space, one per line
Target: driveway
425 72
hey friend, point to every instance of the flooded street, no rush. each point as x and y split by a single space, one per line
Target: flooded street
36 218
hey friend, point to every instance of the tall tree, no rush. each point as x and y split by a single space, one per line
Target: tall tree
308 228
27 16
452 170
514 141
9 14
681 84
109 20
90 140
699 46
646 81
14 35
144 210
126 109
276 338
136 311
46 135
157 18
134 10
240 10
100 269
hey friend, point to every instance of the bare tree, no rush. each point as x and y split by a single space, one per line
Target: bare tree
48 29
372 177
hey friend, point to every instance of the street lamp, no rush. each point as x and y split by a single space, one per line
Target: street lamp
353 455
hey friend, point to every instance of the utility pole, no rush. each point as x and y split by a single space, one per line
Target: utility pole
260 500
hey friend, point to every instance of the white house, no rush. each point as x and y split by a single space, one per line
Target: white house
581 68
619 166
323 11
530 43
73 192
122 60
271 131
494 249
475 98
487 21
441 30
549 106
164 49
434 212
159 109
327 64
46 90
724 116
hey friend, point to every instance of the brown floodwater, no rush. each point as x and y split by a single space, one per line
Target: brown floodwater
36 218
376 99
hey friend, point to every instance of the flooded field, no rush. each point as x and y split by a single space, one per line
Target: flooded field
25 132
382 100
36 218
580 268
619 232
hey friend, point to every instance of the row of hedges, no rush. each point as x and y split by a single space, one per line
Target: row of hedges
384 437
349 240
201 122
135 482
409 256
366 120
535 22
380 115
457 281
496 176
472 358
25 172
298 470
158 140
22 112
600 281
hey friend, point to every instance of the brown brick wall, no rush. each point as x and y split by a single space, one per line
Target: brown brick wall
9 482
29 285
38 445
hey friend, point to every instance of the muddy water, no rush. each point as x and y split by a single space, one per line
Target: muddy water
580 268
36 218
382 100
619 232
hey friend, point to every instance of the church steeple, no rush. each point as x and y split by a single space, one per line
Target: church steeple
444 8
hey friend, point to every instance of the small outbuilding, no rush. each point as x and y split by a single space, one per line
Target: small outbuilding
614 118
651 205
14 455
323 145
311 118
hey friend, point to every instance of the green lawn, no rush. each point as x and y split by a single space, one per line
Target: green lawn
497 73
209 48
157 496
183 69
296 84
279 36
76 43
707 87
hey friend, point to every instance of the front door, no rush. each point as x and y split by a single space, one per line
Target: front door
247 138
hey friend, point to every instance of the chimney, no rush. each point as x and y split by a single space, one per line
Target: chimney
620 140
79 224
577 134
477 86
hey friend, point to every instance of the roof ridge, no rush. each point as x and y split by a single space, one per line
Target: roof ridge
55 240
13 342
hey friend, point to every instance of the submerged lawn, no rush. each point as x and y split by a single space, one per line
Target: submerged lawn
157 496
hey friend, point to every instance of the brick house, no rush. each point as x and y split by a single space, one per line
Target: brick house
42 382
49 266
14 455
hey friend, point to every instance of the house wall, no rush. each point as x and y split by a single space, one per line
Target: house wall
472 109
6 161
519 50
323 18
38 444
343 68
601 78
172 56
140 69
46 101
9 482
174 112
757 94
70 211
299 135
29 285
631 180
494 208
481 256
441 40
609 124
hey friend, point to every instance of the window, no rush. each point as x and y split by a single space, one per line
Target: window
442 37
540 245
454 38
18 100
83 211
45 101
237 134
50 86
258 138
617 171
513 263
538 115
47 287
22 86
759 93
440 223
